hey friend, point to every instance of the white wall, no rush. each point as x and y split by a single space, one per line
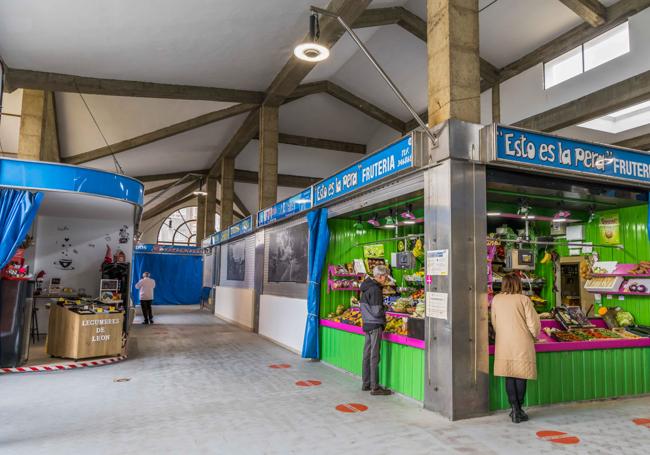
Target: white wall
235 305
524 94
85 246
282 319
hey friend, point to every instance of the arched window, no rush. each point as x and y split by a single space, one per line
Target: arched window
180 227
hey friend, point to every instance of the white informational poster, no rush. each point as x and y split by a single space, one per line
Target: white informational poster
438 262
437 305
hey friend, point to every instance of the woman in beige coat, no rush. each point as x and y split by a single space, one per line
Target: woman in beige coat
517 326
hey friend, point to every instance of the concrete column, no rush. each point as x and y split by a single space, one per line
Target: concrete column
453 55
31 125
210 206
38 138
227 192
200 219
456 383
496 103
268 171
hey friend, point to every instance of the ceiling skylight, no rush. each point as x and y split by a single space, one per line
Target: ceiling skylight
622 120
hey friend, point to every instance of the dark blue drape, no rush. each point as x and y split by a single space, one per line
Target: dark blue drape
18 209
319 237
178 277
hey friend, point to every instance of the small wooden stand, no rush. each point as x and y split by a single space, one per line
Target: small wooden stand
82 336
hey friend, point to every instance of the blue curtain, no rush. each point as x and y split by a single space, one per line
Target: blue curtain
178 277
18 209
319 237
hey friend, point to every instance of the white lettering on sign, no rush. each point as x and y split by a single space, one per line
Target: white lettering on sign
88 322
376 170
97 338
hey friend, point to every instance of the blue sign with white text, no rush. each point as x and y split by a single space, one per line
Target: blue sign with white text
553 152
242 227
394 158
167 249
284 209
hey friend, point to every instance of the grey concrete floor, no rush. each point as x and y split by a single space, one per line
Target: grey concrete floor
198 385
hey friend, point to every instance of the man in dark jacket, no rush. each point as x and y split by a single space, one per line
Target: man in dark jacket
374 321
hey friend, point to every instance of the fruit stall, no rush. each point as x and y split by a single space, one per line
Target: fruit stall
585 263
387 234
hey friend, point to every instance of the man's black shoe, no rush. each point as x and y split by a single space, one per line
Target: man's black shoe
365 388
380 391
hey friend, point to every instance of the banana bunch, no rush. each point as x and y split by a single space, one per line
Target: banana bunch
547 257
418 249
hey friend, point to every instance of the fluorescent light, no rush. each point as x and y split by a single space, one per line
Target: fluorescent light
408 222
528 217
560 220
311 52
493 213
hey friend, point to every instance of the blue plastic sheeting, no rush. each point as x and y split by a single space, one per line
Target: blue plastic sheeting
178 277
62 177
319 238
18 209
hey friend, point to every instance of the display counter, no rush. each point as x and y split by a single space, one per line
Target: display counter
78 333
391 337
581 370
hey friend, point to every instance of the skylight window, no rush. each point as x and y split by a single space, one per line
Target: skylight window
602 49
622 120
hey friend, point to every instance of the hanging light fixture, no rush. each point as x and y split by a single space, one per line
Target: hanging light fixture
408 216
374 221
359 226
389 222
562 216
592 214
200 191
311 51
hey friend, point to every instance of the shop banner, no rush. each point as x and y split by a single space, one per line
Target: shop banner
389 161
206 242
284 209
167 249
570 156
242 227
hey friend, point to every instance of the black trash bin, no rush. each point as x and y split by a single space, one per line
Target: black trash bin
15 321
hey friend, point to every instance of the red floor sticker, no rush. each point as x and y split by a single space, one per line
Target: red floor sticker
642 422
278 366
557 437
308 383
352 407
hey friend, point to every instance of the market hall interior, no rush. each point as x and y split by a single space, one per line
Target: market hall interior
423 215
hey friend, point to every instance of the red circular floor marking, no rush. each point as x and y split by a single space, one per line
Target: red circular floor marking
642 422
308 383
278 366
557 437
352 407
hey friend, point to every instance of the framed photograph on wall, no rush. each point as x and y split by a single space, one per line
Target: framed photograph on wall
236 261
288 255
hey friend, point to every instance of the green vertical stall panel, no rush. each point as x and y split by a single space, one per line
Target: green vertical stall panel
634 238
401 367
581 375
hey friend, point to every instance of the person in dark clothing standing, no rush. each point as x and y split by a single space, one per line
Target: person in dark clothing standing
374 321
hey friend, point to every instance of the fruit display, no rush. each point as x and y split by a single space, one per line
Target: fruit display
418 250
571 317
417 277
395 325
643 268
637 286
624 318
420 309
402 305
585 271
344 284
585 335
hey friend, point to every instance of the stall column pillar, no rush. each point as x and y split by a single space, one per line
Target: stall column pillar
200 219
456 370
227 191
210 206
268 174
38 138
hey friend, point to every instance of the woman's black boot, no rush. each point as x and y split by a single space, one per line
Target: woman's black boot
522 414
514 414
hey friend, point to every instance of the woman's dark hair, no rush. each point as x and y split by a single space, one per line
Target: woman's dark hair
511 284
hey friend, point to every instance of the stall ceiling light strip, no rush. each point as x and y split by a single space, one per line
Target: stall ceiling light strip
396 204
548 198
